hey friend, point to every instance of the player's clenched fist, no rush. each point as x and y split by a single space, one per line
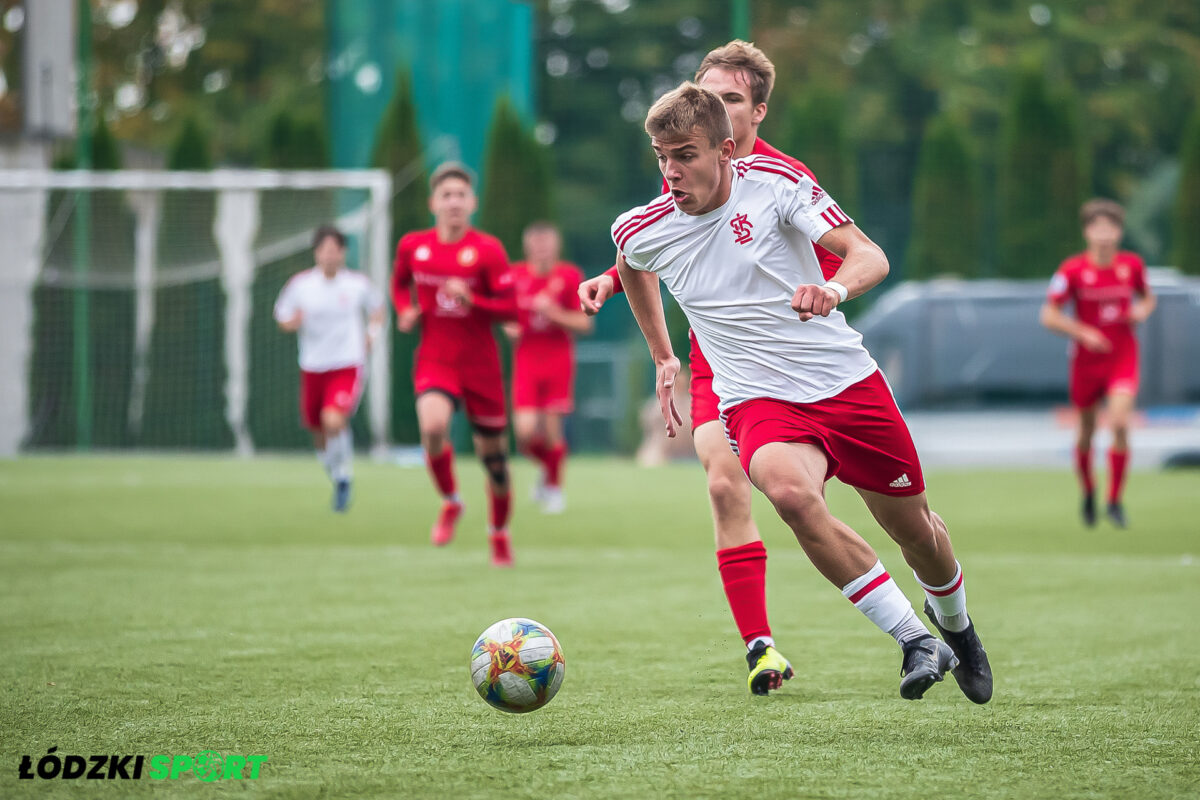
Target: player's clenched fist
594 293
811 300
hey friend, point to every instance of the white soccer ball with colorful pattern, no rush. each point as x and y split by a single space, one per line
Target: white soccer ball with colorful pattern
517 665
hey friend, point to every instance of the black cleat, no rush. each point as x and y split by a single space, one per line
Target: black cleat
1116 515
1089 510
926 661
973 673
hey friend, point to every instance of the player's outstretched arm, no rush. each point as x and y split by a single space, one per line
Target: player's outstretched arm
641 288
1055 319
594 293
291 324
1143 307
569 319
864 265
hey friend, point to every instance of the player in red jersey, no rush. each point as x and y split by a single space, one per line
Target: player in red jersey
324 306
1109 291
463 285
742 76
544 359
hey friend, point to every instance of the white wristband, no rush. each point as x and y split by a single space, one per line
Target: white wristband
842 291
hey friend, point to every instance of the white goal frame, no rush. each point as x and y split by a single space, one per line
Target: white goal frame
23 201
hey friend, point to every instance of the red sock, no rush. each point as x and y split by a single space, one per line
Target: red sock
1117 459
498 509
536 449
441 467
1083 465
554 461
744 573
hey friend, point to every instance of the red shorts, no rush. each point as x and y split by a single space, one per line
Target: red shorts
480 391
544 382
861 431
704 400
1092 378
339 389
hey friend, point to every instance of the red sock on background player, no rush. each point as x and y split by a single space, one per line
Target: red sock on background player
441 467
1083 466
744 575
499 508
554 461
1117 461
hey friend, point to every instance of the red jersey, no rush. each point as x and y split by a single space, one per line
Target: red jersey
830 263
1102 296
454 332
539 336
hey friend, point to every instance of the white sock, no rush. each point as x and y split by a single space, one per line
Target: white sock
341 459
876 595
326 459
766 640
909 629
949 601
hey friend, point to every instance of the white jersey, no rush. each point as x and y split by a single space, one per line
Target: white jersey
332 326
734 270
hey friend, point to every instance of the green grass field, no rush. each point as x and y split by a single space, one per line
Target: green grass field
170 606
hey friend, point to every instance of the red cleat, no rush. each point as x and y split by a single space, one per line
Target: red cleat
443 529
501 549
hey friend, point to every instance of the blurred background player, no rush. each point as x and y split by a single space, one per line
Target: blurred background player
463 285
1109 291
544 358
801 398
325 306
743 77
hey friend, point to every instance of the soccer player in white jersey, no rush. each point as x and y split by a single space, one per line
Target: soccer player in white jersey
801 398
326 306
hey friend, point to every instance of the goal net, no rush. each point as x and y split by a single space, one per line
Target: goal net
136 308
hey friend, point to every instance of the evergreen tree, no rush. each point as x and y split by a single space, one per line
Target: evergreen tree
1187 208
1042 180
398 150
813 130
516 182
185 390
945 238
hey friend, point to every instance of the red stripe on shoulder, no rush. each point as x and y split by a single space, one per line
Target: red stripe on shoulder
774 166
653 208
666 212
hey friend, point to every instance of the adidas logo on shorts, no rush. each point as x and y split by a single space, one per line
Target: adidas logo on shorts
901 483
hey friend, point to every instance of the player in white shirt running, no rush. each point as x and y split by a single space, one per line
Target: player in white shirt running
325 305
801 398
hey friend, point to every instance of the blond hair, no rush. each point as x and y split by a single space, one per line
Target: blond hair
686 110
1101 207
739 56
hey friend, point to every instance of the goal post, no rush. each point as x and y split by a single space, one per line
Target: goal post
135 309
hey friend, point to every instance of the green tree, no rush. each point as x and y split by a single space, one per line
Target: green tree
516 182
110 313
1041 180
185 390
814 131
398 150
1187 207
946 213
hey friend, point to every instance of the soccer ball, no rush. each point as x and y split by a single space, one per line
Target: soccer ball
517 665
